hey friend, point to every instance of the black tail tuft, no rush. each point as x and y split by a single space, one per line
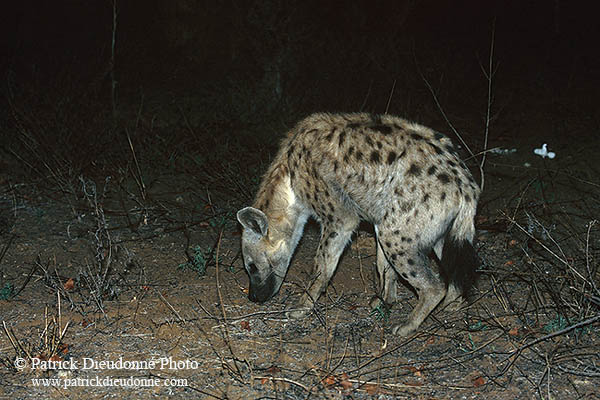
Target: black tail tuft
459 264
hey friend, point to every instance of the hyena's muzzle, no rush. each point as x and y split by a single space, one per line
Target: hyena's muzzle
261 289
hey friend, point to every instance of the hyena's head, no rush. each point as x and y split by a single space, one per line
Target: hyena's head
266 258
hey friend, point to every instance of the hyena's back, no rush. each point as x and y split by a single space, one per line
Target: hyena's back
384 168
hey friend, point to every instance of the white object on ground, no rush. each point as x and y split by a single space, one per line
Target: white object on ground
543 152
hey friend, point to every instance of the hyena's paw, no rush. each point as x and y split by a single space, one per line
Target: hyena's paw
379 308
376 303
453 300
453 305
404 330
298 313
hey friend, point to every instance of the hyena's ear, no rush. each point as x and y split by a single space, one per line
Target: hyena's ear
253 219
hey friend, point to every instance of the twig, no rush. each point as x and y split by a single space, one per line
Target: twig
139 179
170 307
489 75
226 327
565 262
587 256
518 351
387 106
272 378
113 81
367 96
7 246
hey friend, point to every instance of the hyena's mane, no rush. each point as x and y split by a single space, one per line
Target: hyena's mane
274 195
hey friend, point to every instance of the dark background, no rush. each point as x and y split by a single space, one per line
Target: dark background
230 66
122 180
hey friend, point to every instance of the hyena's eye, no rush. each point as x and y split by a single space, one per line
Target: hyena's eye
252 268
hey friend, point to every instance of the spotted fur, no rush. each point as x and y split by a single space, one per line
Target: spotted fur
404 178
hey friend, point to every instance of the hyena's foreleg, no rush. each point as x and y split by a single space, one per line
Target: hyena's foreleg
334 238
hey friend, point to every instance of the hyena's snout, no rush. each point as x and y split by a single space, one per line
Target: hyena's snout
262 290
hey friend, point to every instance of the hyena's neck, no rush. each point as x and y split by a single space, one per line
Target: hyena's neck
285 213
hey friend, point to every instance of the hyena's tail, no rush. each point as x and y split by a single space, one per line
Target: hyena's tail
459 260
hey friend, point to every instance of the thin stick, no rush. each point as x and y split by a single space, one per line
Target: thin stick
170 307
489 75
113 86
518 351
226 327
272 378
366 97
587 256
139 179
387 106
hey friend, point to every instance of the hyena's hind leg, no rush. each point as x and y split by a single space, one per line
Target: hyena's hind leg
334 238
414 267
412 264
453 300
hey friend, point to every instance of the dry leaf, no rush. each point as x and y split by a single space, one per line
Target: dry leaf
479 381
63 348
69 284
513 242
264 380
345 381
514 331
56 358
509 262
329 381
245 291
245 325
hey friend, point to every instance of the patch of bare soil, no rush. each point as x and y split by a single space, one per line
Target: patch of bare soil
139 299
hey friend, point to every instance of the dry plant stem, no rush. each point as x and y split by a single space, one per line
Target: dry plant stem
139 179
62 332
387 106
489 74
518 351
547 232
15 342
225 327
366 96
170 307
113 81
588 257
439 106
187 122
272 378
563 261
7 246
362 274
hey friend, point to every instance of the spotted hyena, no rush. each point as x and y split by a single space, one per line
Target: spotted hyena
404 178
